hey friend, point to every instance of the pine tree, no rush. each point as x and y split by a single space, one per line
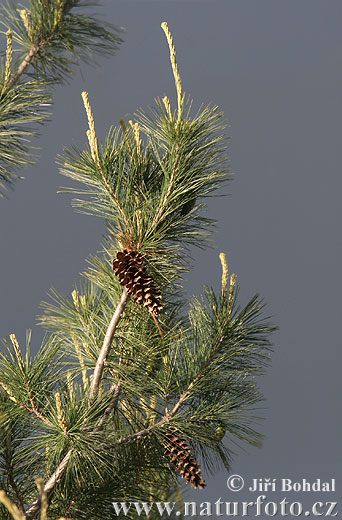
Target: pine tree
44 42
135 390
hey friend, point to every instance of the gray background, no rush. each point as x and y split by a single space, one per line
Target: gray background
274 67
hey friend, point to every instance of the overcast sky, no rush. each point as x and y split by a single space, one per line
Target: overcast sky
274 67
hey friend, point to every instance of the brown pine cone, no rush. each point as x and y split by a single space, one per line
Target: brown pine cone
179 453
130 269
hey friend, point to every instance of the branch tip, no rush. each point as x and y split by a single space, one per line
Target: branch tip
91 133
25 19
167 106
224 264
232 285
60 414
9 56
75 297
175 70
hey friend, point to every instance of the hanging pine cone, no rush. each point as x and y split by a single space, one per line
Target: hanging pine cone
130 269
179 453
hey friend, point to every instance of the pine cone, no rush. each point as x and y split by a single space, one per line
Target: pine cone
179 453
130 269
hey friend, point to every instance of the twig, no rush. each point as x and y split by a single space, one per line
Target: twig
167 195
116 389
33 409
35 49
40 415
106 344
94 148
23 66
169 415
164 420
28 59
21 364
140 434
114 196
49 486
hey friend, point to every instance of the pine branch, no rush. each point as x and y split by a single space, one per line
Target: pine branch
165 201
196 378
58 473
32 409
107 344
168 415
146 431
37 47
54 38
49 486
24 377
93 143
115 390
22 67
23 105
